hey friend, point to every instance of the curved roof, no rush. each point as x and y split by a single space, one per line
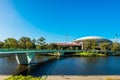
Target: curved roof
91 38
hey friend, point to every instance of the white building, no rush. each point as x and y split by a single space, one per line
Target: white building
98 39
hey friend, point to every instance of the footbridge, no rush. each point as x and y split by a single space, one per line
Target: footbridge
26 56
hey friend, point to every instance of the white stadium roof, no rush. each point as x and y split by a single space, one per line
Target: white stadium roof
91 38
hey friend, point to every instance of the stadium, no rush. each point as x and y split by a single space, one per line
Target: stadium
97 39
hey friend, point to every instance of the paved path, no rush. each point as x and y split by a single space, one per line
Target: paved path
83 78
3 77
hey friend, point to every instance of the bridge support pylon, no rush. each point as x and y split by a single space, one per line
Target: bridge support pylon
24 58
60 53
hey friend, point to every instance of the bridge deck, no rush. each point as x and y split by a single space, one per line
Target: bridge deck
35 51
45 51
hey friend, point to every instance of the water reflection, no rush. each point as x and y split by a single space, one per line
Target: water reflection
63 66
7 65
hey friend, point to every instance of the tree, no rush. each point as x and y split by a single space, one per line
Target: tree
1 44
25 43
29 45
52 46
34 43
90 44
59 47
104 46
10 43
94 44
86 45
115 47
41 41
38 47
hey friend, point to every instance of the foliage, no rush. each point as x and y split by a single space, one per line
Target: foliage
104 46
1 44
100 54
23 78
115 47
22 42
90 44
29 45
53 46
111 78
90 54
34 41
25 43
94 44
10 43
40 44
41 41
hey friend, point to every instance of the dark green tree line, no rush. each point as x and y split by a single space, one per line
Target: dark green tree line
40 44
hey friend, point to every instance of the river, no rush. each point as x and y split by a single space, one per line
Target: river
63 66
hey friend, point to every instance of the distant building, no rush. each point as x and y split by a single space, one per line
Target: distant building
98 40
79 43
72 45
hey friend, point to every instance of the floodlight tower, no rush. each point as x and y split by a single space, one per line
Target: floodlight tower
116 37
66 37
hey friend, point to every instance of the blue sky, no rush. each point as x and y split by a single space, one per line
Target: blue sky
53 19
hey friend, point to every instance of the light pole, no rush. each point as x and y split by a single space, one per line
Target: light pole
66 37
116 36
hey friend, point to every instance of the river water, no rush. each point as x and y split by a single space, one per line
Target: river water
63 66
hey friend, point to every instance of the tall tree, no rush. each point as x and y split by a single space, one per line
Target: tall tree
104 46
41 40
10 43
29 45
88 44
38 47
53 46
41 43
34 43
25 43
1 44
115 46
94 44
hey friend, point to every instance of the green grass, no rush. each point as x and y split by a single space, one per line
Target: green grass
20 77
102 55
90 54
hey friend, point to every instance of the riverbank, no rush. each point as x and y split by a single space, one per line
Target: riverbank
99 77
3 77
84 77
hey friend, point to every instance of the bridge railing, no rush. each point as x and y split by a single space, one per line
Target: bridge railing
47 51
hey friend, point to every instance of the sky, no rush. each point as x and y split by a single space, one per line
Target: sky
54 19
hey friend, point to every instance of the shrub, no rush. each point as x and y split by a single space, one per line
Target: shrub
20 77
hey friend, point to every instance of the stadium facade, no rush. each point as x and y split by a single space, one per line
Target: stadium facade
80 42
97 39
